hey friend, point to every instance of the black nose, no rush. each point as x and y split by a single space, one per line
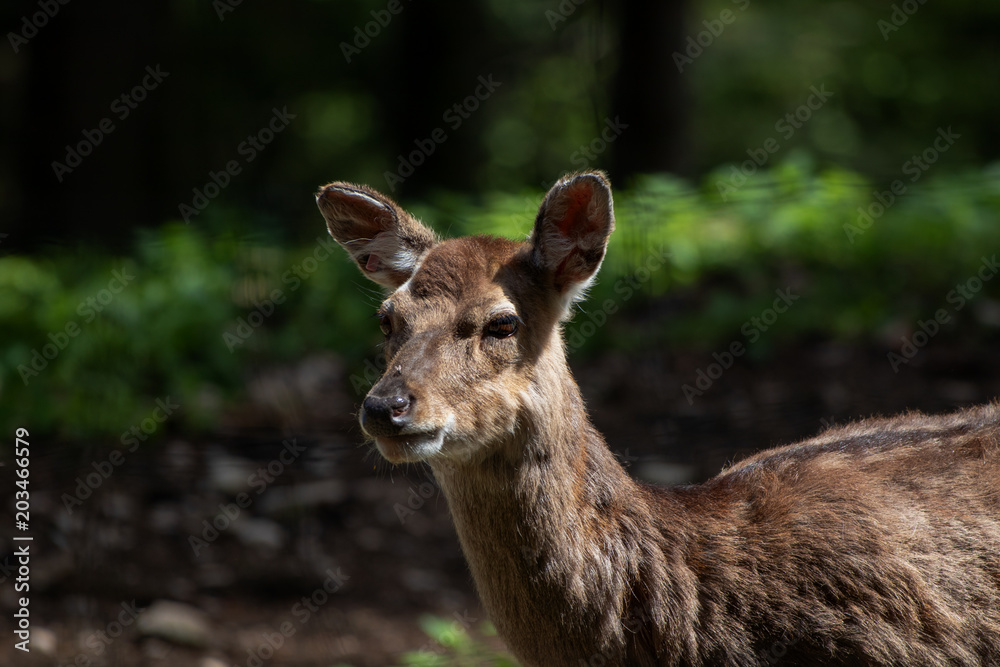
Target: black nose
385 415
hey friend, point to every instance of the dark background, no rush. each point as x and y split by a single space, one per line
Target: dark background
561 78
674 99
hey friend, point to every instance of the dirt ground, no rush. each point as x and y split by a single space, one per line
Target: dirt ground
316 553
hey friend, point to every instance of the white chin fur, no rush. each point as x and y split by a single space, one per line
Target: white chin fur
416 446
410 447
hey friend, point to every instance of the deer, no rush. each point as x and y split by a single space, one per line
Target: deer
872 543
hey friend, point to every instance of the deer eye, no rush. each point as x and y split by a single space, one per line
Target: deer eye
504 326
384 322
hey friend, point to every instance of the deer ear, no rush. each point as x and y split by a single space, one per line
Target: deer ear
384 241
571 232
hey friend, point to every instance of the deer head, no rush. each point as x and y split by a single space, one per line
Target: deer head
471 324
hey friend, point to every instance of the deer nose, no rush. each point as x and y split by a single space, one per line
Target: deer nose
385 415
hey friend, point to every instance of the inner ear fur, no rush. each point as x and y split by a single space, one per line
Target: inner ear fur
571 232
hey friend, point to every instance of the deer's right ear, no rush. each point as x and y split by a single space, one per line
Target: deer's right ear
384 241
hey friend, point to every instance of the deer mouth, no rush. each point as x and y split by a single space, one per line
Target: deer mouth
410 448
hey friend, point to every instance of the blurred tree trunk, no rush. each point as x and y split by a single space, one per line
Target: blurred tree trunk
649 93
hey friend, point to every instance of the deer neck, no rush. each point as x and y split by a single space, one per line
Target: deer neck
555 460
536 516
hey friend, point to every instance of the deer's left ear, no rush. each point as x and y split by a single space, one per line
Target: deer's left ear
571 233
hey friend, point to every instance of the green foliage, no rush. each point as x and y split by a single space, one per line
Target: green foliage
687 265
181 326
451 645
894 76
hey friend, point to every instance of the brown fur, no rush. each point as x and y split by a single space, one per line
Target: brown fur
873 544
